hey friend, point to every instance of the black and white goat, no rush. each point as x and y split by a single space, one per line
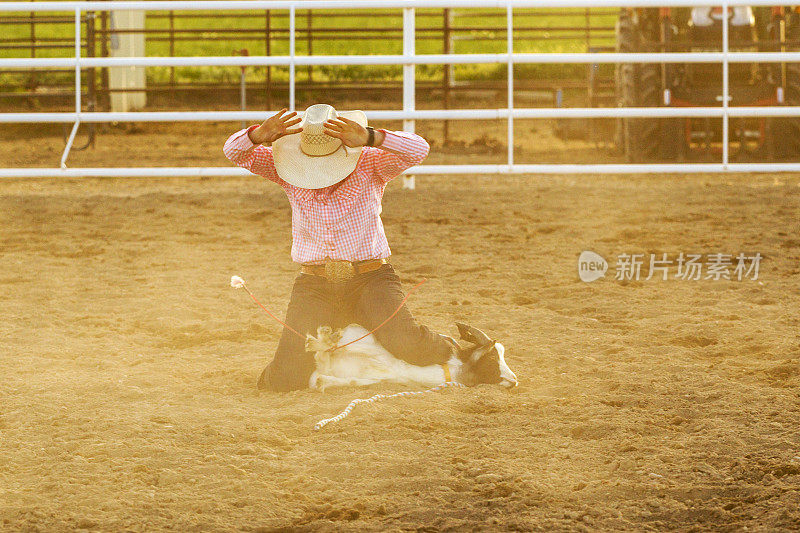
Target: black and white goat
367 362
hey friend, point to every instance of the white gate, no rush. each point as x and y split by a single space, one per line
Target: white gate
408 59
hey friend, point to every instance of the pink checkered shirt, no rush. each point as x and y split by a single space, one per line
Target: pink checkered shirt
342 221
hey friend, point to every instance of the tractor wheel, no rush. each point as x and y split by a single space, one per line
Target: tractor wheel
644 135
625 74
785 134
639 85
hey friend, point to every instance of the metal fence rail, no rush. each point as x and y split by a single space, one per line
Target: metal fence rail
264 31
409 59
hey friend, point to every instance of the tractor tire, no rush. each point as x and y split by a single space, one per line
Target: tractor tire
625 75
644 134
785 131
640 85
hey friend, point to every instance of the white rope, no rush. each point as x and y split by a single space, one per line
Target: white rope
322 423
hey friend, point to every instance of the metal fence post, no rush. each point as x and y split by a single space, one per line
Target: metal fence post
78 63
292 11
725 87
409 78
243 83
310 45
447 70
91 82
588 31
77 88
268 44
33 35
510 46
104 53
33 79
172 47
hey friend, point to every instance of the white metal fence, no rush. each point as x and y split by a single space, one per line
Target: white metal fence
409 59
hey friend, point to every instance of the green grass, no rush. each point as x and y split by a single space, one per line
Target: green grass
466 41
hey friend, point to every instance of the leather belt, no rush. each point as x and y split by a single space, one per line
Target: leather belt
342 270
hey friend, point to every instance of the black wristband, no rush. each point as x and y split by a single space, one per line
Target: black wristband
370 136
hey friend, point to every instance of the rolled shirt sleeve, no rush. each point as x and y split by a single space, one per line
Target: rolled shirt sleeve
399 151
241 151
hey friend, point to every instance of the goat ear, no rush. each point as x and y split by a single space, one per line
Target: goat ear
473 335
451 340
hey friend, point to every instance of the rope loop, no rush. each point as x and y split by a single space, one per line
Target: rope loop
378 397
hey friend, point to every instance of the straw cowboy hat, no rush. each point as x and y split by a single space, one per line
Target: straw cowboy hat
313 159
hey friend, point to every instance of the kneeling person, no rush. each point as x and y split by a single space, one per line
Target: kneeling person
334 169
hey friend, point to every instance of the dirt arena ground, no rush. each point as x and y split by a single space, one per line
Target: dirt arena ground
128 398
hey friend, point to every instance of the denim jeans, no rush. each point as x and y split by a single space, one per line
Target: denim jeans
367 299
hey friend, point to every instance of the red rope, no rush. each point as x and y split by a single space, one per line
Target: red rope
376 328
287 326
385 321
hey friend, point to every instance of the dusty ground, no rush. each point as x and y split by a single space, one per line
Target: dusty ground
129 364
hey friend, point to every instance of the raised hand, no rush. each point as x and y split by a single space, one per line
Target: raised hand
351 133
275 127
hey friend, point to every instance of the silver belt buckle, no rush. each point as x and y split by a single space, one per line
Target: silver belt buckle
339 270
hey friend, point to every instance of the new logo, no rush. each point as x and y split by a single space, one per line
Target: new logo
591 266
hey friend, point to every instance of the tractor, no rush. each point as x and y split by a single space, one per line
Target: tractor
700 84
